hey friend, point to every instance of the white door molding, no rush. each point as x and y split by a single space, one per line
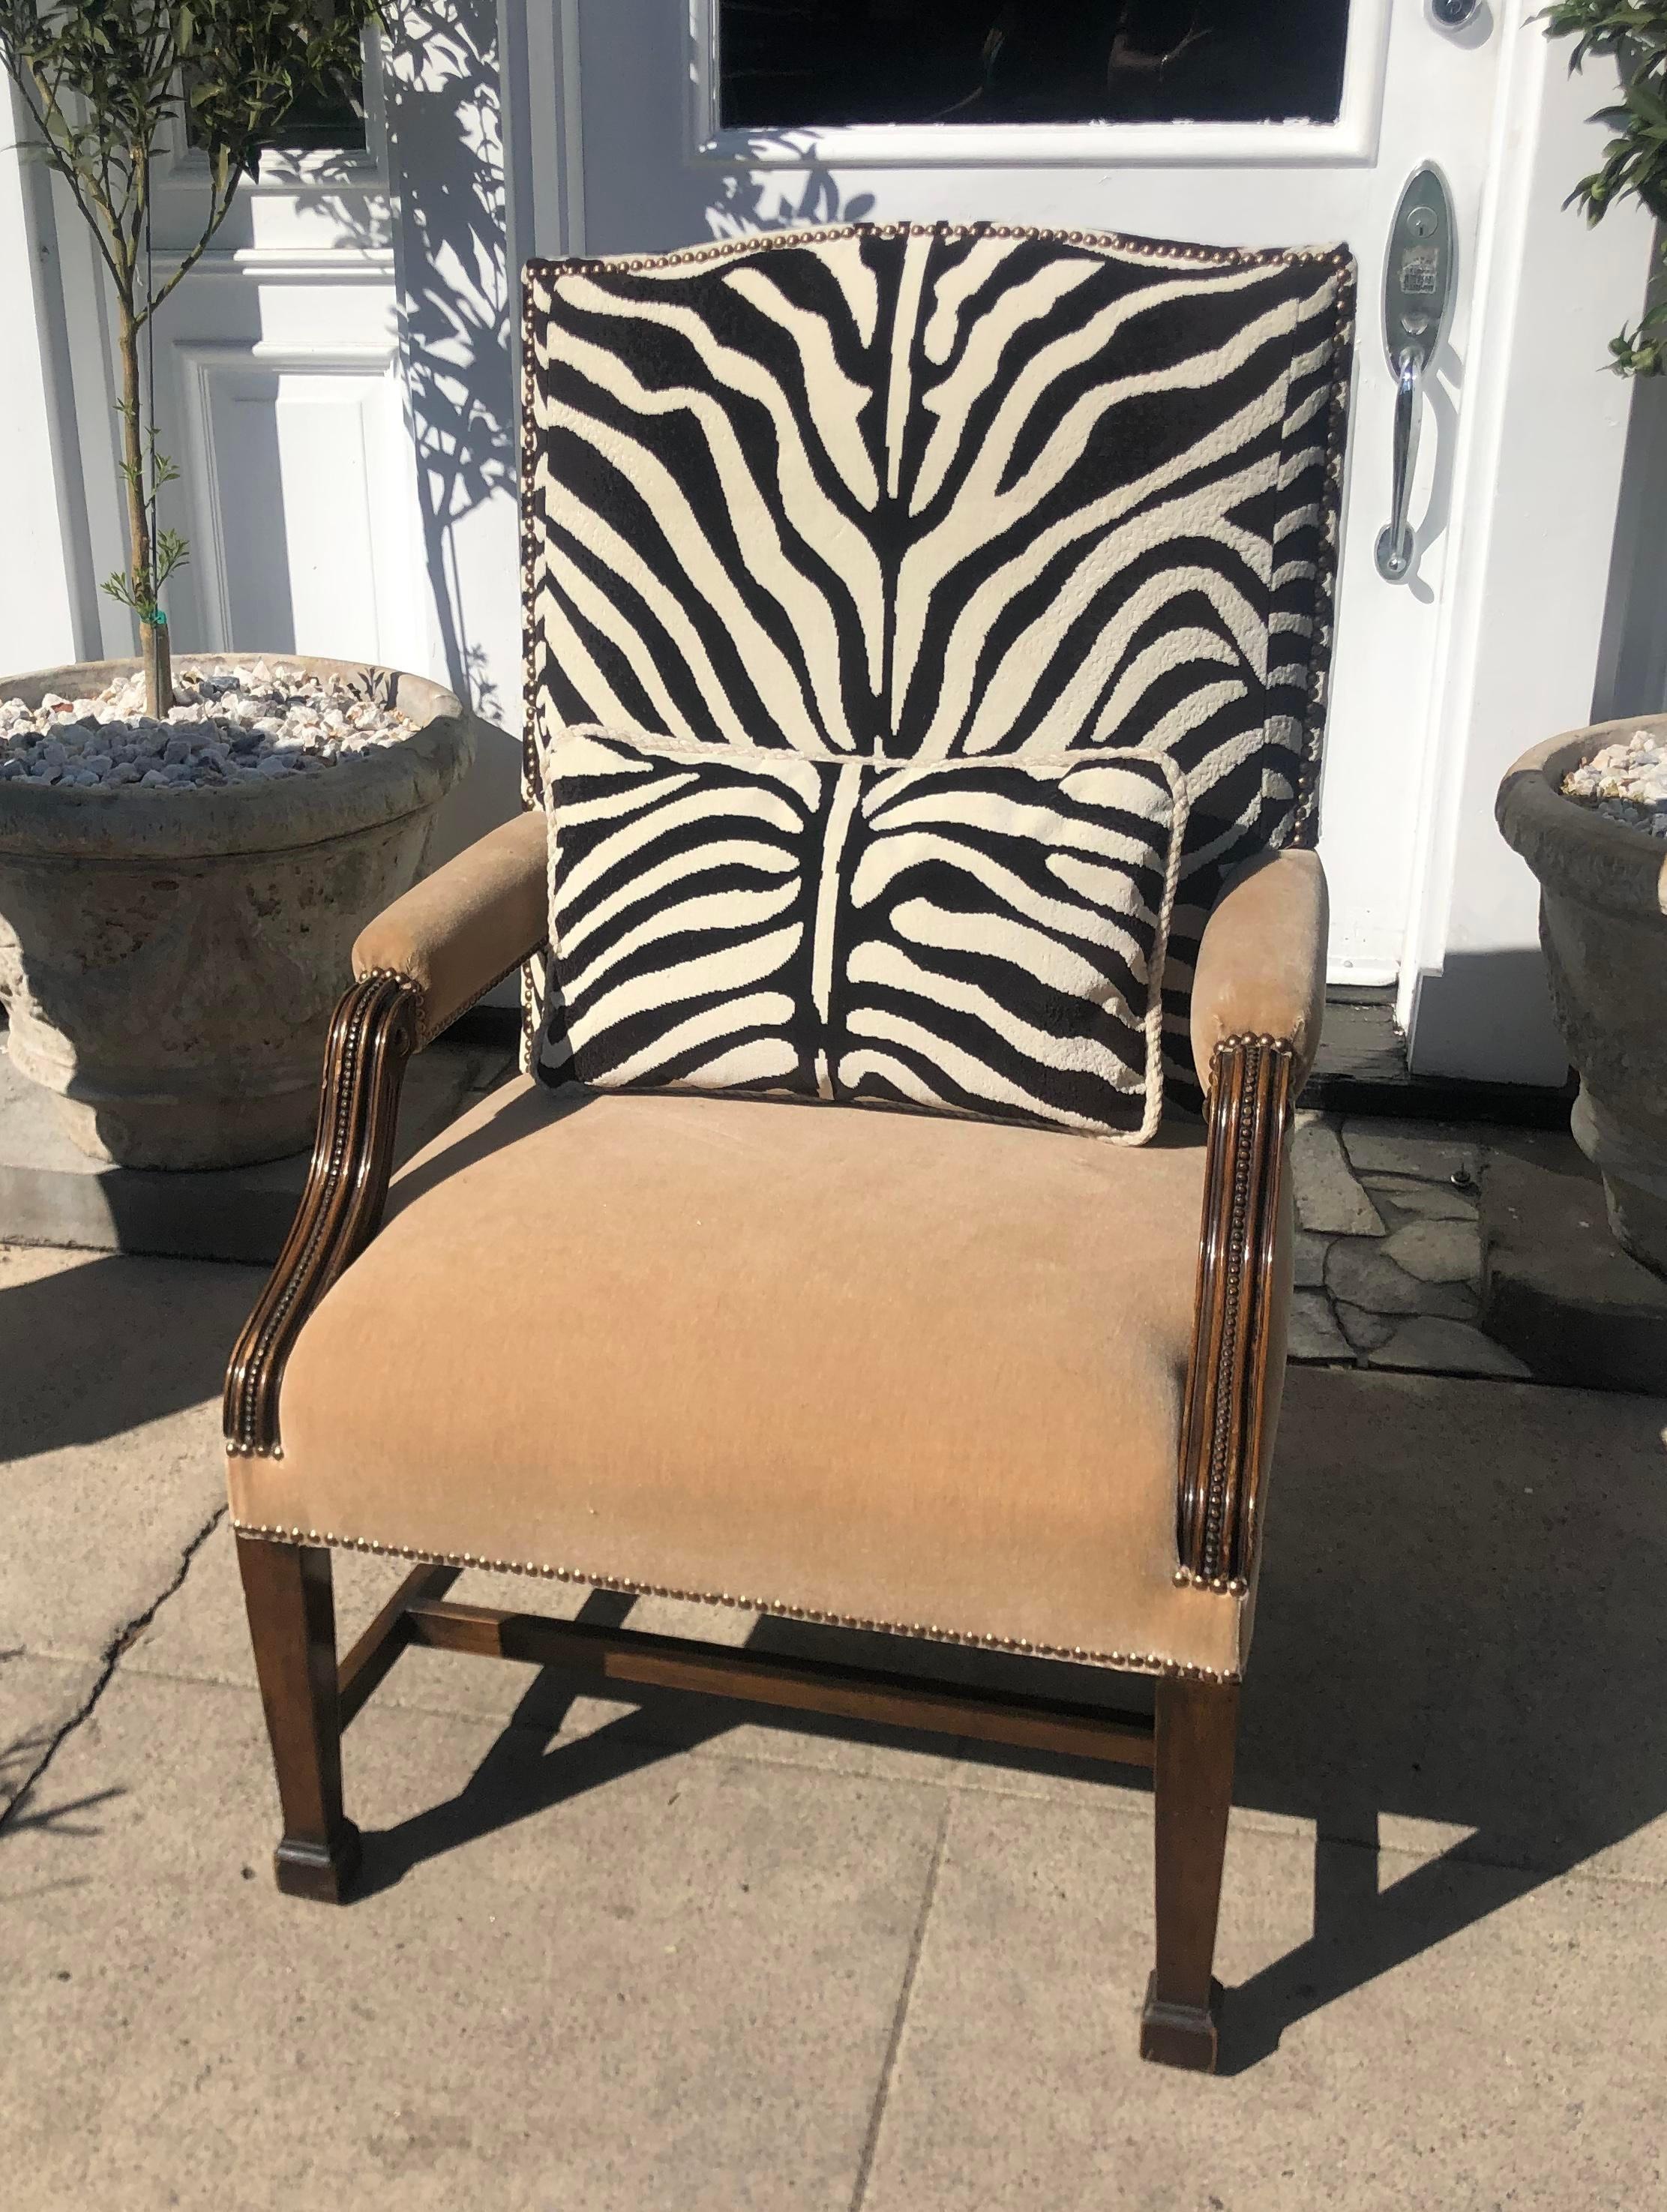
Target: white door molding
549 169
343 515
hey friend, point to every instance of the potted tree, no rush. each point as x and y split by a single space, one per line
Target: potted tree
1588 810
186 856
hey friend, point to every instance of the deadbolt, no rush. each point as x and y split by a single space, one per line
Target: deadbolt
1418 295
1453 14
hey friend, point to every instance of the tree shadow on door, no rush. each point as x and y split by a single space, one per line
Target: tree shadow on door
455 301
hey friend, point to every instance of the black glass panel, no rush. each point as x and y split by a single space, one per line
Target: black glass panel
331 123
786 65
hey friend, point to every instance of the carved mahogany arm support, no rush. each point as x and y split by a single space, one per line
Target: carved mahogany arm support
1258 998
420 964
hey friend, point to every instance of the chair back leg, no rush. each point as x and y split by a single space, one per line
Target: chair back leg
1192 1775
292 1624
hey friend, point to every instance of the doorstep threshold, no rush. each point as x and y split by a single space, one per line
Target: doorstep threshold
1361 1069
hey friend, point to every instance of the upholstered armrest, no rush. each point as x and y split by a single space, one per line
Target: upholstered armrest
464 928
1260 969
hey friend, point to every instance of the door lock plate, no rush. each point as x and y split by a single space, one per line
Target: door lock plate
1418 281
1418 298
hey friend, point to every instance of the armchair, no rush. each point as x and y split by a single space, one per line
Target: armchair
956 1378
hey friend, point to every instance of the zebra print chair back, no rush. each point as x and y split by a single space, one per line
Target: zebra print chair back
947 493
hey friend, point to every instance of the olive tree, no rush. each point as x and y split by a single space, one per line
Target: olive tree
1633 34
105 83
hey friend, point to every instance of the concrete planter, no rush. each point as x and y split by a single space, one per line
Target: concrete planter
1603 925
169 959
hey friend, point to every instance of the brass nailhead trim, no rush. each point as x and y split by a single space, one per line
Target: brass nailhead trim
399 975
1304 824
1226 1585
1111 243
1133 1663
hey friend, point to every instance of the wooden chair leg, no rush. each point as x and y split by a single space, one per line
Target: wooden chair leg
292 1624
1197 1726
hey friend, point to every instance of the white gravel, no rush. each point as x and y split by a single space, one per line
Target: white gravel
1627 781
257 720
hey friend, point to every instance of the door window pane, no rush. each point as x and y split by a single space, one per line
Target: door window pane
785 64
331 120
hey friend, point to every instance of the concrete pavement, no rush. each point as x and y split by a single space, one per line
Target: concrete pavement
624 1955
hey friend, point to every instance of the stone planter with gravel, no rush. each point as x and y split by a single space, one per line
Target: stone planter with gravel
178 899
1599 848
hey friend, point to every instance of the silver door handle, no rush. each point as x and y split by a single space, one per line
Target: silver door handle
1417 301
1394 542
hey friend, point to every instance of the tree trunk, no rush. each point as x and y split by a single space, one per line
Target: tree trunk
142 567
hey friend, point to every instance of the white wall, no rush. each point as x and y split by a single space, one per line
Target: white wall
1526 642
40 615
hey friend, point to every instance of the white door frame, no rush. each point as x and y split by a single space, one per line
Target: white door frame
1534 515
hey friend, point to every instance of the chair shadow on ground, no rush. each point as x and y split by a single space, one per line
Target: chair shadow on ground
104 1343
1459 1625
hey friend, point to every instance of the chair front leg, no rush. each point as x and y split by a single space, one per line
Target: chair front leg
292 1624
1197 1730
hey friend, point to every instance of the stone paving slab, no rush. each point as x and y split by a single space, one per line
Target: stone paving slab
110 1466
597 1975
1412 2045
1432 1152
1458 1628
110 1371
1560 1292
607 1974
39 1699
1465 1248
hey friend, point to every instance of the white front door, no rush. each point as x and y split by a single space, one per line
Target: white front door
655 123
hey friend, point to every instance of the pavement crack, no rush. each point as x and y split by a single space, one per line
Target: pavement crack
110 1659
871 2143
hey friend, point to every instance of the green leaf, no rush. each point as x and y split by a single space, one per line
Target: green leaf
1643 101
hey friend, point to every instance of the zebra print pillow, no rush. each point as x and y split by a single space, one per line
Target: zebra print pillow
947 493
982 937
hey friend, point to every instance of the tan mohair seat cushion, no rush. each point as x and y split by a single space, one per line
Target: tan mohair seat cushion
908 1372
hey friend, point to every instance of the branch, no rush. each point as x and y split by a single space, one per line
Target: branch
28 85
219 207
